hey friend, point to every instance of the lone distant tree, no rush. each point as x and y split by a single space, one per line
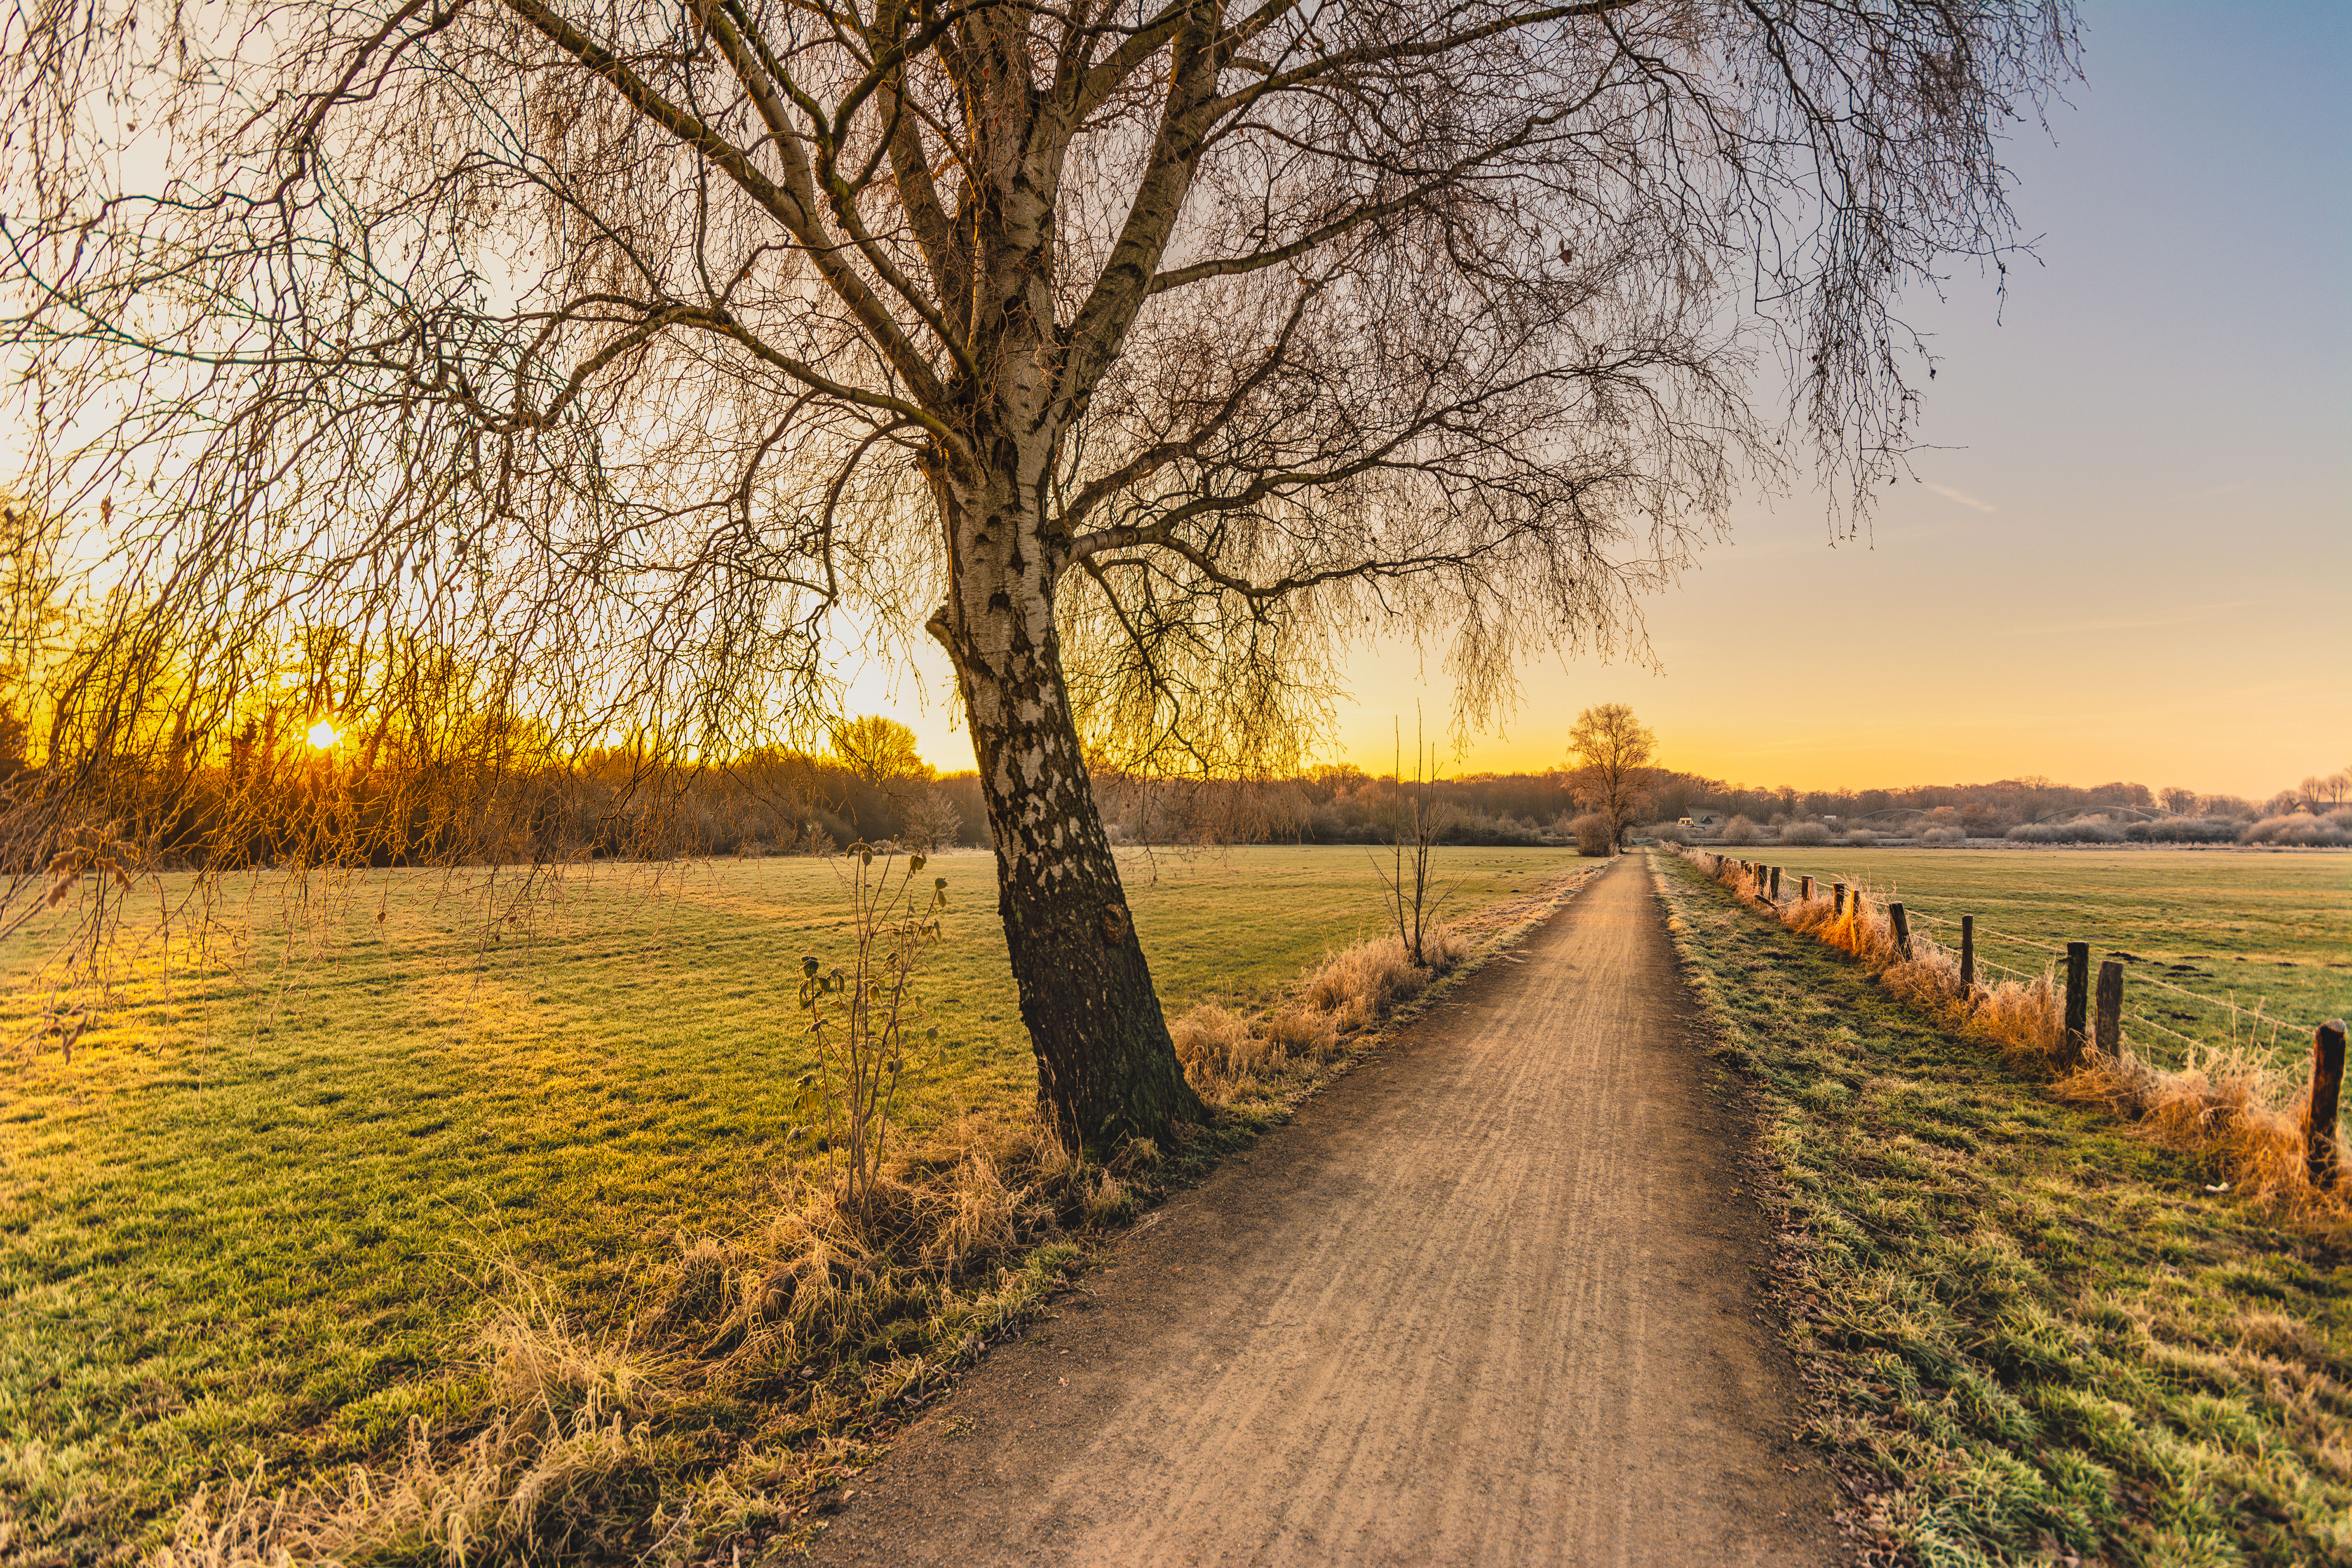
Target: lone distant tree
878 750
1612 751
1143 352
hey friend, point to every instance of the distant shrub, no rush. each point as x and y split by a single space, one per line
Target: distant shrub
1667 833
1739 830
1463 825
2300 831
2094 830
1943 835
1807 833
1592 834
2185 830
1860 836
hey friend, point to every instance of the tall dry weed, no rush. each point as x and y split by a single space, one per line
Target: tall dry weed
1226 1053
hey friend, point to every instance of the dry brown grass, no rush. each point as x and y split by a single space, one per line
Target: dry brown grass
1303 1033
1221 1052
2223 1103
573 1430
1360 985
1227 1054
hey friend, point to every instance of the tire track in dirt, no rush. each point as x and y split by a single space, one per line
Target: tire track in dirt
1492 1298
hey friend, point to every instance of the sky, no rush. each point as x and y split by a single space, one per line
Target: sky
2127 554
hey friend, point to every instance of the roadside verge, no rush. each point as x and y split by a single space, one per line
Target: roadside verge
2026 1334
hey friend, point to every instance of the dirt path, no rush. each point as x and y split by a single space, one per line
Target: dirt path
1490 1300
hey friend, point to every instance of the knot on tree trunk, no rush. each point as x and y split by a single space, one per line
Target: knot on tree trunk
1116 924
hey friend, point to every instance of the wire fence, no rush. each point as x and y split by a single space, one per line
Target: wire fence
2212 1024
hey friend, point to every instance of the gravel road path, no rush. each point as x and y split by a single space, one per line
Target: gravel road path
1491 1299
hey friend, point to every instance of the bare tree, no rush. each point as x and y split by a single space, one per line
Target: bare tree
1613 751
1143 352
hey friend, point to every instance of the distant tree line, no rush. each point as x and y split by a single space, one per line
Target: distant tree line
1345 804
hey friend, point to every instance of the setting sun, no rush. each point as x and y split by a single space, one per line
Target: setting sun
322 734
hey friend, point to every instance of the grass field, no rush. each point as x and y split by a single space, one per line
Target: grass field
245 1228
2270 931
2027 1335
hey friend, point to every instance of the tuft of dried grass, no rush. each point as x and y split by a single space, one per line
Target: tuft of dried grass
1219 1050
2025 1019
1360 985
1299 1032
572 1434
1445 950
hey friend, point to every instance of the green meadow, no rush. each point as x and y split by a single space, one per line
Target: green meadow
244 1231
2266 931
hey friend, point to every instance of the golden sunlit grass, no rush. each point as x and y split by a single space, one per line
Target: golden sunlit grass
254 1221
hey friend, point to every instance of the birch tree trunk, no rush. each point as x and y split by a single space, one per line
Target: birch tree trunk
1107 1068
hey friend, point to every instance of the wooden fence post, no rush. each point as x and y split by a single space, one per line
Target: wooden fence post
1967 956
2319 1111
1807 892
2108 1028
1776 884
1838 888
2078 1002
1902 929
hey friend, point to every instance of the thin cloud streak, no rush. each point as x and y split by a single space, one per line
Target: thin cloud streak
1949 493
